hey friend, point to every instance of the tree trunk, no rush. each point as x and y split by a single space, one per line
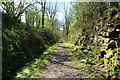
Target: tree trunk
43 13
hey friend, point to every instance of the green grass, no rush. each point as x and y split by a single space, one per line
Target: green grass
82 60
35 68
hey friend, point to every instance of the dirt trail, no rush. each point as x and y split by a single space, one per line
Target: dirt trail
60 65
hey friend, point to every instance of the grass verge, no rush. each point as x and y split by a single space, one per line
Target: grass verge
35 68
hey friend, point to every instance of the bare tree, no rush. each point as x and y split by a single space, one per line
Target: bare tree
67 18
51 9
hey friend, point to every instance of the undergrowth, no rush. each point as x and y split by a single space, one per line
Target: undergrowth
35 68
84 60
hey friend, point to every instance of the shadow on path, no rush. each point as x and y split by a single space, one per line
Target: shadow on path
60 65
57 62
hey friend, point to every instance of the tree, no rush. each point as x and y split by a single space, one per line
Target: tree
85 20
43 4
67 18
20 7
9 7
51 9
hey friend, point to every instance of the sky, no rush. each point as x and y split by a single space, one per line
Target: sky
60 15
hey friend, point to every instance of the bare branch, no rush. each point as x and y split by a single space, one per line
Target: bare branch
27 7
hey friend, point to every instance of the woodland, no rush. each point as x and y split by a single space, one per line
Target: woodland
32 35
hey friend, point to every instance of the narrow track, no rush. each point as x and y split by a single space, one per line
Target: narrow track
60 65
